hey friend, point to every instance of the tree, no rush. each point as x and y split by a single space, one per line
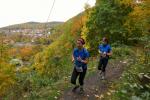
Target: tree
107 19
3 46
138 23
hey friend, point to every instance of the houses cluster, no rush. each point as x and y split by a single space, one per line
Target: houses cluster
27 33
33 31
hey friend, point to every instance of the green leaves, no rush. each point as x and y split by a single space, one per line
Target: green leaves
135 81
107 19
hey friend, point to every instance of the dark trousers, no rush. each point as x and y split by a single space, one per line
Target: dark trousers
75 75
102 63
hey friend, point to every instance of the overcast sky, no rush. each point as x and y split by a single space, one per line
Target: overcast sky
20 11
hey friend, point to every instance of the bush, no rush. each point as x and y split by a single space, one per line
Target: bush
121 51
135 81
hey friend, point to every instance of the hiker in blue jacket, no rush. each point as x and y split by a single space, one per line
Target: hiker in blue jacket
105 51
80 59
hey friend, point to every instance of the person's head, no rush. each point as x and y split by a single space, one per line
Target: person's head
105 41
80 43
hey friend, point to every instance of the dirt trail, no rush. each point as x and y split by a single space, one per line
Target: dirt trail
94 86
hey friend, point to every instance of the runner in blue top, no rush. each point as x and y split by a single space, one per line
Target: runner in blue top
80 58
80 54
105 51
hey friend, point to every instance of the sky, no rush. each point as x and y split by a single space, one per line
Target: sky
21 11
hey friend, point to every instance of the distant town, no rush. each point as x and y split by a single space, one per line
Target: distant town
32 31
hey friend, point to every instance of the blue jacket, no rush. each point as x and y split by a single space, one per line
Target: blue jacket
83 53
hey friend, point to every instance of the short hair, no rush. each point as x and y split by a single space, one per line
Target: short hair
81 40
105 39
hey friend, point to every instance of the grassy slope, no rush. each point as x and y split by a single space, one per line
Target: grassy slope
51 65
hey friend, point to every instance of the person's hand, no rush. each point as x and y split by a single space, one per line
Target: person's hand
99 51
104 54
79 59
72 60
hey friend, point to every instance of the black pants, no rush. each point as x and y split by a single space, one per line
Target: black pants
81 75
102 63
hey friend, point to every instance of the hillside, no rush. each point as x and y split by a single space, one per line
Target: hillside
32 25
51 65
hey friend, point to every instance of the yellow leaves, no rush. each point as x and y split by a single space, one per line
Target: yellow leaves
127 2
6 68
139 17
140 12
76 27
68 45
142 59
24 69
26 52
7 77
12 51
78 24
39 67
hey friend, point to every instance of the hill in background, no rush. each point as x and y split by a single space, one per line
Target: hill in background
29 27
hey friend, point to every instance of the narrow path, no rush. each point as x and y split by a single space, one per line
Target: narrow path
94 87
